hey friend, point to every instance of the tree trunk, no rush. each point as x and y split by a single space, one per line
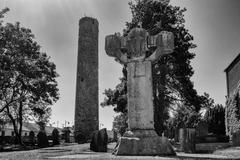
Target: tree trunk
159 99
17 135
13 123
20 123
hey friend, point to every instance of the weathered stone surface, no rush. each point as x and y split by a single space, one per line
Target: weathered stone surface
233 75
187 137
236 138
140 114
141 139
86 105
143 143
99 141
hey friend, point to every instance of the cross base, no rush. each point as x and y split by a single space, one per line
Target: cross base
143 143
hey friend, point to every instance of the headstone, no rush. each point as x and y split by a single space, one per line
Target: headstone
99 141
141 139
236 138
86 105
187 137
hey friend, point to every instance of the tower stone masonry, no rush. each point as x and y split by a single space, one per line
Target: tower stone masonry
86 104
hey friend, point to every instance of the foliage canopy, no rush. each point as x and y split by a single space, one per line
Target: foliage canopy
27 76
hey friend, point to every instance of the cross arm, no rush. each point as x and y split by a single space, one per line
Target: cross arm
164 44
113 48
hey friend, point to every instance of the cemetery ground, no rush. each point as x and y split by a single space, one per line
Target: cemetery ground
82 151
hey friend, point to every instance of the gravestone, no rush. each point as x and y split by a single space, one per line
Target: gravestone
86 105
99 141
187 138
131 50
236 138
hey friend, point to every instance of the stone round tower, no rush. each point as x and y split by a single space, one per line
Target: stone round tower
86 105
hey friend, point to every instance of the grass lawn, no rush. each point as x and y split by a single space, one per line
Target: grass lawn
44 153
233 152
76 151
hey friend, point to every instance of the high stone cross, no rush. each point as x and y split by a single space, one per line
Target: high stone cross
132 50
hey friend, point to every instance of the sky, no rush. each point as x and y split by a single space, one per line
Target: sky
215 25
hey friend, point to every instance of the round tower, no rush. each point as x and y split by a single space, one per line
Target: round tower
86 105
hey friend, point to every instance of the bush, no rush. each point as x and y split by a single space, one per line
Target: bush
120 123
212 139
55 137
7 139
215 118
42 139
66 134
79 138
32 138
185 117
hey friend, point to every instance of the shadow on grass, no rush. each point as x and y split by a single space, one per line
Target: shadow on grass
204 151
54 150
18 148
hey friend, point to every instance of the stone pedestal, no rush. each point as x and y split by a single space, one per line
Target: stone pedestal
143 143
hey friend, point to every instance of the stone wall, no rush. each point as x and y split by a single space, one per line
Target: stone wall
86 105
233 77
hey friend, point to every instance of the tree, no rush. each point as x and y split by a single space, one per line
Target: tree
40 113
42 139
118 96
32 138
215 118
27 77
3 11
207 101
171 74
120 123
185 117
55 136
